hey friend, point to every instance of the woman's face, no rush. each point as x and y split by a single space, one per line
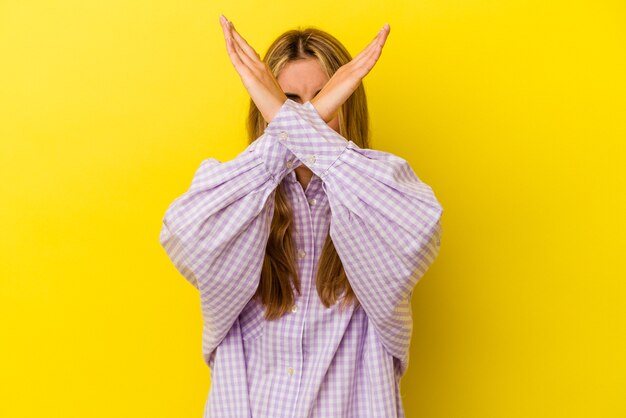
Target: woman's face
302 79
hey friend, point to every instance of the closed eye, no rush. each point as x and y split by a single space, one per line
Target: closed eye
296 98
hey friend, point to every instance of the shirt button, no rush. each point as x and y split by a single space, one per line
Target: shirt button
289 163
283 135
311 159
312 202
294 308
290 371
301 253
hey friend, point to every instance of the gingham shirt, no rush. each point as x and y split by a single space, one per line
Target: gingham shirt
314 361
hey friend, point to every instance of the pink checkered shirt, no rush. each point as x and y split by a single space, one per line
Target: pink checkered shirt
315 361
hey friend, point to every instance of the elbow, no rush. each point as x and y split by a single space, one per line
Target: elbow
175 251
164 235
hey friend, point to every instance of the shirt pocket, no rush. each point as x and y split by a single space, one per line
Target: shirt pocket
252 320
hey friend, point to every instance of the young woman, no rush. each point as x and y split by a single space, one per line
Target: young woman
306 247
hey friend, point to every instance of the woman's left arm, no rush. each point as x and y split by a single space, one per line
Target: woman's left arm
385 222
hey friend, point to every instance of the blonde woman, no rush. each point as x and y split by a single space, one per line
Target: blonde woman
306 246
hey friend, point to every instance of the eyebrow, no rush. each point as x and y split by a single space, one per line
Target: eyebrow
290 95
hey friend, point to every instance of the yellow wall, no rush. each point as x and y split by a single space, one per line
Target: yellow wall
510 110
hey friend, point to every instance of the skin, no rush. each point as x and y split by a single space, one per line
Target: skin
301 80
268 94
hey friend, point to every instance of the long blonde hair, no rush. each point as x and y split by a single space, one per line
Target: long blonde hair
279 265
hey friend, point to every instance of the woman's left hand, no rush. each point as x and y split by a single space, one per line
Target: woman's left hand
348 77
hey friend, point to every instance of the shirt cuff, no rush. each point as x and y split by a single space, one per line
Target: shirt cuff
277 159
301 130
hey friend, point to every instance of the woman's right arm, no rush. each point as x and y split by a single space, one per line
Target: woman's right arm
216 232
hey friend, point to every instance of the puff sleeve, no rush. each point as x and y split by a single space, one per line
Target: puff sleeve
385 222
216 232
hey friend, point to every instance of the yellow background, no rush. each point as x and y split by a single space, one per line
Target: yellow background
513 111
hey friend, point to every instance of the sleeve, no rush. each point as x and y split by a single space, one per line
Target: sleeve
216 232
385 222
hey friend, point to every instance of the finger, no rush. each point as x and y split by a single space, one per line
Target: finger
236 44
242 56
385 33
225 29
236 54
252 63
233 51
245 47
376 49
378 41
368 47
368 57
369 60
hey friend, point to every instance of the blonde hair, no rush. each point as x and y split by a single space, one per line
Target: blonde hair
275 290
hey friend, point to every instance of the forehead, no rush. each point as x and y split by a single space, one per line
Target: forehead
300 76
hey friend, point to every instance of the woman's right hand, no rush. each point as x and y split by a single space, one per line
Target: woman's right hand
255 74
